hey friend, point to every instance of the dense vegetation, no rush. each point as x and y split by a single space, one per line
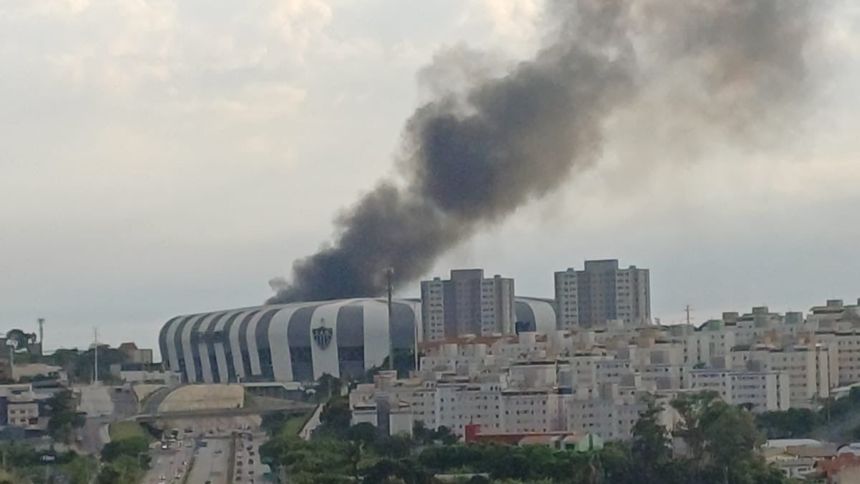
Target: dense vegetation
720 444
63 418
126 457
840 414
23 464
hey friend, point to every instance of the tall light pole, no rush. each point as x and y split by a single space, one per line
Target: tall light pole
389 275
41 322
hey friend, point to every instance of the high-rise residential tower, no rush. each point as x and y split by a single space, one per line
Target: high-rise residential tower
600 293
467 303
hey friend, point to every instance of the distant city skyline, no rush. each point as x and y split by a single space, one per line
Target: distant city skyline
699 315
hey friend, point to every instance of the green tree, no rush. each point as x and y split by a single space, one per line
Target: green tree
650 446
363 433
328 386
335 417
722 441
395 446
62 417
129 447
125 469
80 469
788 424
445 435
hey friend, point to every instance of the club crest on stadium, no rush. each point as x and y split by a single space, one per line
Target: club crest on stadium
322 336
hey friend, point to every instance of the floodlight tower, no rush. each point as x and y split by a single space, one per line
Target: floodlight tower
389 275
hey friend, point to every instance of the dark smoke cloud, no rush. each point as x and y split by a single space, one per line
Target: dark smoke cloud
472 158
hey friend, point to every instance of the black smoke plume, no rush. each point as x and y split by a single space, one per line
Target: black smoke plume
472 158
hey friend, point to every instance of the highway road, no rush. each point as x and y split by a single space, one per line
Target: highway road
211 462
170 464
247 466
207 453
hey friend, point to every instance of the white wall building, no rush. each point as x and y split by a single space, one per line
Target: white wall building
812 369
467 303
760 391
600 293
594 380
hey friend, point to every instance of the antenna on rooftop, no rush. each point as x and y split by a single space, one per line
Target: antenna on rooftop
687 311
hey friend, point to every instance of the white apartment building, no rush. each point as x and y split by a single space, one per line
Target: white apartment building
713 341
760 391
458 359
753 327
21 405
467 303
593 380
610 411
587 370
531 410
600 293
433 309
833 312
812 369
398 418
567 299
847 344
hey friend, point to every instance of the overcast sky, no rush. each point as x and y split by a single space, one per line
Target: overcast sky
163 158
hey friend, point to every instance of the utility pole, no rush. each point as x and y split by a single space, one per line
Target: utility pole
95 355
687 311
389 275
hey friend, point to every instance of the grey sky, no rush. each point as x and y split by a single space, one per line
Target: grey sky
170 157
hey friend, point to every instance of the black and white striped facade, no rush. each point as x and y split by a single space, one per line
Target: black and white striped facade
301 341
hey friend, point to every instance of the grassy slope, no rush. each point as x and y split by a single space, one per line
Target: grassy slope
126 429
295 424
